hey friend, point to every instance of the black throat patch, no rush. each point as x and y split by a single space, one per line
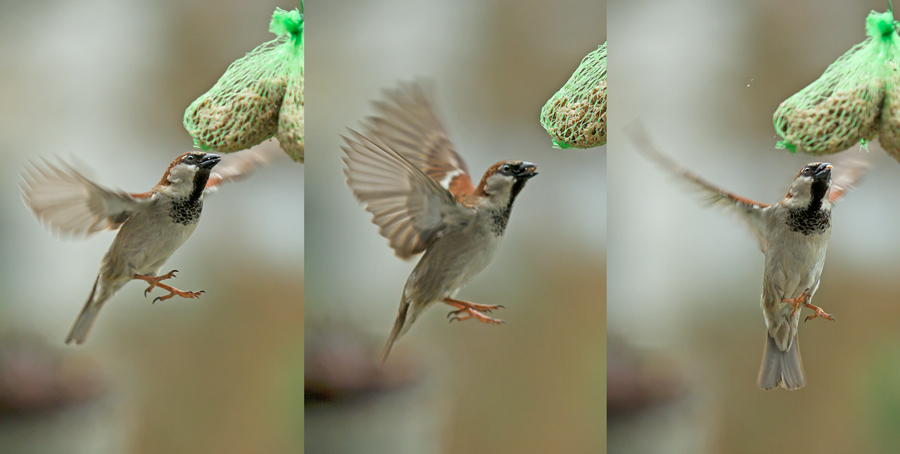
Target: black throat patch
499 218
812 219
187 210
808 221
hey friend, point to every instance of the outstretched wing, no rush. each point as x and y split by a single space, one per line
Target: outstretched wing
236 166
410 209
749 211
849 170
71 204
408 125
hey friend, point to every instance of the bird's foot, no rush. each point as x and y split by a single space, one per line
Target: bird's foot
175 292
466 310
466 313
467 305
796 302
819 313
154 280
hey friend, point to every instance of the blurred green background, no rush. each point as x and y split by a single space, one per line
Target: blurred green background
533 385
106 83
705 77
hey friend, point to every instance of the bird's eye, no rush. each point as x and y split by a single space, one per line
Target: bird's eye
505 168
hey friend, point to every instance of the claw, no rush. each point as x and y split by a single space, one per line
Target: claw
456 314
154 281
175 292
466 305
465 311
818 313
796 302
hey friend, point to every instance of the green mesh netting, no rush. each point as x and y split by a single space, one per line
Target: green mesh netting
247 105
575 117
844 105
889 126
290 120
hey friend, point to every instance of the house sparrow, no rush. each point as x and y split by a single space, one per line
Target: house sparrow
152 225
793 234
407 173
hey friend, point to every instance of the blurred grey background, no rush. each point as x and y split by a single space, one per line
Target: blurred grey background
704 77
105 83
535 384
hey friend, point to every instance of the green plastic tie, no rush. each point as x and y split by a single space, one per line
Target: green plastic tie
287 23
785 145
560 145
864 144
880 24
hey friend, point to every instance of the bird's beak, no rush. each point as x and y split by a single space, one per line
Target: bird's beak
209 161
526 171
823 171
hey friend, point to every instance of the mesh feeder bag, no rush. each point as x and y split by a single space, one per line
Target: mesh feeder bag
242 109
889 127
844 105
575 117
290 119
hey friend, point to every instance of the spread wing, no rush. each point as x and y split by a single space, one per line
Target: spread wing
71 204
237 166
849 170
749 211
410 209
408 125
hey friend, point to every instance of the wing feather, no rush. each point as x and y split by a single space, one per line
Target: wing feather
410 208
749 211
408 125
849 170
236 166
71 204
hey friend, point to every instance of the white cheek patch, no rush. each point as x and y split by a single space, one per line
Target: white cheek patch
499 186
801 191
181 180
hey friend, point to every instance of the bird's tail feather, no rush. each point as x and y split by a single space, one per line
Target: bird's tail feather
85 320
398 329
781 368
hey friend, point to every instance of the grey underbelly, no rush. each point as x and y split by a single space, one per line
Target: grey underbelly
144 251
795 266
444 269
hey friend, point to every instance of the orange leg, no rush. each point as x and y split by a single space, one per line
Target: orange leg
464 304
466 310
796 302
819 313
174 291
154 280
